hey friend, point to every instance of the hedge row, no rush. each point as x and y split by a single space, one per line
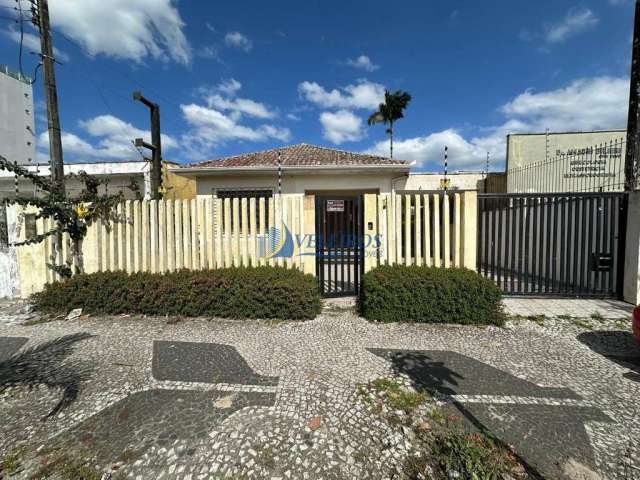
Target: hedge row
245 292
420 294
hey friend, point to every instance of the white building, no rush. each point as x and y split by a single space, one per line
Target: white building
566 161
17 129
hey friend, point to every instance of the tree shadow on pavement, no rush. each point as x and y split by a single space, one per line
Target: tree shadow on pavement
46 364
618 346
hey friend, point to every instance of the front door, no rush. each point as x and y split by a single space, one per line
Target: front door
339 244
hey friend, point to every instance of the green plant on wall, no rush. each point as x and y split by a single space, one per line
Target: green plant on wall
71 215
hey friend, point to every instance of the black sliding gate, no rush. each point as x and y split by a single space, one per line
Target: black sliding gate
339 244
564 244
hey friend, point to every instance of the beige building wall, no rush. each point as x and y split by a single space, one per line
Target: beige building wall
526 150
177 186
299 183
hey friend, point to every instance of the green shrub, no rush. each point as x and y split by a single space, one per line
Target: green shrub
396 293
243 292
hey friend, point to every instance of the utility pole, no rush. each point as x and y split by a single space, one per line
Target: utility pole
51 94
633 133
155 146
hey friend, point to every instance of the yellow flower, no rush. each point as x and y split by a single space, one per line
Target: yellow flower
82 211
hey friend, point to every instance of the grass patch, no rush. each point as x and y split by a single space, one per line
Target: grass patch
10 464
539 319
597 316
470 455
565 317
64 466
396 396
582 324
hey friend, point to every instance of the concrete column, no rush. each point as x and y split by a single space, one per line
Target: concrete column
370 231
469 229
631 286
309 235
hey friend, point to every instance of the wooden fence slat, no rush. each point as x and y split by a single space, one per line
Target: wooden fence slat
436 229
195 248
179 232
235 207
153 236
262 228
426 234
253 232
219 232
186 234
128 231
244 231
407 230
203 252
228 234
272 224
209 232
417 245
456 230
170 223
446 222
162 236
390 229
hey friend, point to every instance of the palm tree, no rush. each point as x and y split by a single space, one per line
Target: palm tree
391 110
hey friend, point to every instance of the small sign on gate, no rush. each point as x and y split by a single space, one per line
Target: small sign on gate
335 205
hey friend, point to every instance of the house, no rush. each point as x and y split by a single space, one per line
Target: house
310 170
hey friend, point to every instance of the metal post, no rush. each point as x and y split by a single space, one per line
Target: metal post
633 138
155 146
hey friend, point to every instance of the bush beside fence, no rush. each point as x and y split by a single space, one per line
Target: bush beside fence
239 292
396 293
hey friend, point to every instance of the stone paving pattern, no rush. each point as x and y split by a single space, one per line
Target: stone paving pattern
302 417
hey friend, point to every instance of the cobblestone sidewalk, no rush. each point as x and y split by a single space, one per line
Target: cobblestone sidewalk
202 398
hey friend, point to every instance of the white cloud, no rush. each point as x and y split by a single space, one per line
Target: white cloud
576 21
124 29
341 126
113 140
238 40
363 94
210 127
584 104
31 43
223 97
363 62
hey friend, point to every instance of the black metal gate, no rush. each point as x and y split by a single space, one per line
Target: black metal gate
339 244
564 244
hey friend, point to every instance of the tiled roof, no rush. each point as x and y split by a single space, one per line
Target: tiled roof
301 155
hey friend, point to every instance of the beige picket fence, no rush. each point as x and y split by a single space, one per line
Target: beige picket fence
429 228
423 228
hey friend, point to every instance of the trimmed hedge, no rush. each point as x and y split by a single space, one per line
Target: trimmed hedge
243 292
396 293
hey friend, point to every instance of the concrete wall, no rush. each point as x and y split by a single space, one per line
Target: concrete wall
298 184
9 272
346 181
525 150
631 288
432 181
17 129
178 186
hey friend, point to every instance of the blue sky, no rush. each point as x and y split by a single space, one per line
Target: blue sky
242 76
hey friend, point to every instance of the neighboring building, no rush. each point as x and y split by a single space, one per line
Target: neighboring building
17 130
566 161
119 174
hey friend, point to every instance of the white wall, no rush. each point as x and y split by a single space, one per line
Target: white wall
17 130
431 181
9 273
299 184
